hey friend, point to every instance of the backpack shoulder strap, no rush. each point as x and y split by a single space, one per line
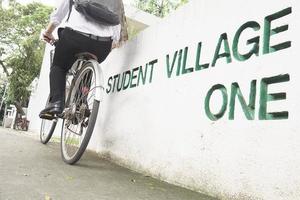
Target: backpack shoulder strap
71 2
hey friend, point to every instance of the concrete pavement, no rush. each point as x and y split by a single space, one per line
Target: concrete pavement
30 170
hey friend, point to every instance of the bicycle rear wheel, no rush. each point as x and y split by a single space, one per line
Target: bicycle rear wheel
80 115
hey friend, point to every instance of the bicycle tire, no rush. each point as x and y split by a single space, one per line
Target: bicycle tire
91 124
44 138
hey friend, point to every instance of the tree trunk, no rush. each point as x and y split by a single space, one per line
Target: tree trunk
19 108
162 14
3 96
19 111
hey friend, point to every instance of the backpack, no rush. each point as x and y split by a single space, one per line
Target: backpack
104 12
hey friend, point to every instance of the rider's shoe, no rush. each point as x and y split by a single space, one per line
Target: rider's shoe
52 110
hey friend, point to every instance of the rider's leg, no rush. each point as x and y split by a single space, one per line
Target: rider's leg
62 62
57 83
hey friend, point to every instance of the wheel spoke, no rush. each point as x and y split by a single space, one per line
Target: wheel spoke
77 122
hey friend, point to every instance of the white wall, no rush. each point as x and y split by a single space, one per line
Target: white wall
161 128
39 97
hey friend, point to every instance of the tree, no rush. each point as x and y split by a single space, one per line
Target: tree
159 8
3 88
20 49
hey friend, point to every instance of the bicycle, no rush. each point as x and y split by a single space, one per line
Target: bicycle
84 92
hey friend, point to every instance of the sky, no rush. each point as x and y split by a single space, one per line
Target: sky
53 2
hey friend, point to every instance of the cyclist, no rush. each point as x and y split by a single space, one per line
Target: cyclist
79 35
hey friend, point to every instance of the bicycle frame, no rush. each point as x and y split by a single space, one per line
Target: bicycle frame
99 94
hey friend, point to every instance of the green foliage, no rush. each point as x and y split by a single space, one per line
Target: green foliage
159 8
21 51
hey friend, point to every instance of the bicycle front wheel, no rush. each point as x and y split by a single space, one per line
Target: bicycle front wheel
80 116
47 129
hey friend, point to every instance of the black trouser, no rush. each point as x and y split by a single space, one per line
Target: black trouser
71 43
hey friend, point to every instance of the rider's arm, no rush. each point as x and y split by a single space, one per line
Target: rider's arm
60 12
47 34
55 19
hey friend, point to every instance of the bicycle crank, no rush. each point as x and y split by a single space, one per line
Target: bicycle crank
76 114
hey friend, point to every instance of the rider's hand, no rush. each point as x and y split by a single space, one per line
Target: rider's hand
48 37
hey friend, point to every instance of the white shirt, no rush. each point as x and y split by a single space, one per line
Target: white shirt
78 22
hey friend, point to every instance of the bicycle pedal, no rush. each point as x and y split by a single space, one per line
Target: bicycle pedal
47 116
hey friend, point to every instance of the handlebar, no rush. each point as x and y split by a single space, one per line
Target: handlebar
54 43
50 40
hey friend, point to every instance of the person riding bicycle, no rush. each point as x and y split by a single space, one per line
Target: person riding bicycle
79 35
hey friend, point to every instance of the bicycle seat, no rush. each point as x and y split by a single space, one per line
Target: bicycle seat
86 55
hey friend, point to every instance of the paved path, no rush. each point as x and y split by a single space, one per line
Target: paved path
30 170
